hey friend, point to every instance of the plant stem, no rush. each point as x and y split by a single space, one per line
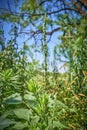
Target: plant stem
45 50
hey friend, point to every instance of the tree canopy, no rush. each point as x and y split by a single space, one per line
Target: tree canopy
30 13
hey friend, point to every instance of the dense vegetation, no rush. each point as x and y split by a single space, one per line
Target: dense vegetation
31 97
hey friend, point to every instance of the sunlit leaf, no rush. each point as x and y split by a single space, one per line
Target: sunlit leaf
23 113
20 126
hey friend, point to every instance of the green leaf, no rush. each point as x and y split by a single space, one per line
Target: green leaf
61 104
32 104
4 123
13 18
58 124
20 126
23 113
13 99
35 119
31 85
29 96
40 28
73 110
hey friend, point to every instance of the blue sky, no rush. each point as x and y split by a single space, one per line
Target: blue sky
22 38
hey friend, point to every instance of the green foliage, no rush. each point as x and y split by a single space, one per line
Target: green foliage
5 122
73 49
13 18
29 5
36 108
39 109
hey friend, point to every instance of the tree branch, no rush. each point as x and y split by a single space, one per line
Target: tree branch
38 32
41 14
78 8
84 2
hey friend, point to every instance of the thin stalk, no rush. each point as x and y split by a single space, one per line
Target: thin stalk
45 50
